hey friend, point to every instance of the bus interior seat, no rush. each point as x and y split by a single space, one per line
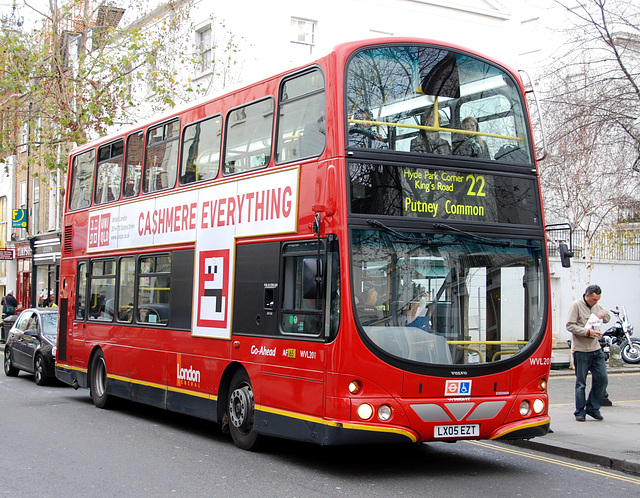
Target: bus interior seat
512 154
368 315
313 140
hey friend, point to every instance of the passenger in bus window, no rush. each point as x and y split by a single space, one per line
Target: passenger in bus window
108 312
314 137
429 141
470 145
362 133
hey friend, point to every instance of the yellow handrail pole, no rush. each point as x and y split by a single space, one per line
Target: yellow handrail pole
433 128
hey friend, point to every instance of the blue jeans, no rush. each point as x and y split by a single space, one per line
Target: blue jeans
594 362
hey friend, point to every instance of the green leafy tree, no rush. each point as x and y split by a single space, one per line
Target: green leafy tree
94 66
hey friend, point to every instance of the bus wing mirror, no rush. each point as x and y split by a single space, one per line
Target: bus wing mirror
565 255
311 278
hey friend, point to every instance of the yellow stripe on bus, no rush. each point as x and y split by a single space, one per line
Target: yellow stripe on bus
71 367
520 427
331 423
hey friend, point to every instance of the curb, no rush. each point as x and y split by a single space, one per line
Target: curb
604 461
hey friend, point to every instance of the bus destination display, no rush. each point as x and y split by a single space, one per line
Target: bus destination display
442 194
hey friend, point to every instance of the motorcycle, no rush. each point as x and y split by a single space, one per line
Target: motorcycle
620 333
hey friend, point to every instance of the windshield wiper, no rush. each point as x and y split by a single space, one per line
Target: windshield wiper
399 235
486 240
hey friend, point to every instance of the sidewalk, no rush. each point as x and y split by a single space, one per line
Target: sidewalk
612 443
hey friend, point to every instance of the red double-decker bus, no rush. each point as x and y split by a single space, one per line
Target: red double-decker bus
349 252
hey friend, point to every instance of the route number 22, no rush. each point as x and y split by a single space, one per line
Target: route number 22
476 187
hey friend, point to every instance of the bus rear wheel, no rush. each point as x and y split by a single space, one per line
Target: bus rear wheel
98 381
241 409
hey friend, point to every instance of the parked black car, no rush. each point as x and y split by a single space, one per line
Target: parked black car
31 344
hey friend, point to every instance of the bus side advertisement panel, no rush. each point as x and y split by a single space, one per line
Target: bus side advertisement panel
212 217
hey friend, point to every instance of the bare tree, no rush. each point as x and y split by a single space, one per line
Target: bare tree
590 104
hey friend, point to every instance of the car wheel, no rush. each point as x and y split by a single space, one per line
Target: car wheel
9 369
241 409
38 371
98 381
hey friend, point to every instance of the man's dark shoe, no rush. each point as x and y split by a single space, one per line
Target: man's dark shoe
595 415
580 418
607 402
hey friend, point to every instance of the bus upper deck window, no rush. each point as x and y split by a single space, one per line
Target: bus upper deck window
302 129
248 138
201 151
82 171
161 159
133 167
436 93
109 173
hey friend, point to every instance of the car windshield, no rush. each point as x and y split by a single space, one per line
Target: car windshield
49 324
447 299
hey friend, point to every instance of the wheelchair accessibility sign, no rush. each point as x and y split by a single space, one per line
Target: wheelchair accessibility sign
457 388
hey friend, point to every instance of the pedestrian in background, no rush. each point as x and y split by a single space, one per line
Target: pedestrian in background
585 317
9 304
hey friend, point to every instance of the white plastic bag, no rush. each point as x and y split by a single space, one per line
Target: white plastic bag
593 323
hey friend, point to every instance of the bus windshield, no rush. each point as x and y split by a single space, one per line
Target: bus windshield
431 100
447 299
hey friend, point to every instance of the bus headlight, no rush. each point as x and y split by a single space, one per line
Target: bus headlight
365 411
384 412
542 385
538 406
355 386
525 408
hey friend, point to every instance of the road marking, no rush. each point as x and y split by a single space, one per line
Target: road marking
600 472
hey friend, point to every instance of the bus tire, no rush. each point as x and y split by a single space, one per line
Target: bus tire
98 381
241 408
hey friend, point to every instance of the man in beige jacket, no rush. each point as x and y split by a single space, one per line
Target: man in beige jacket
588 355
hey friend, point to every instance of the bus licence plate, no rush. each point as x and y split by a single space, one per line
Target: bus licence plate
469 430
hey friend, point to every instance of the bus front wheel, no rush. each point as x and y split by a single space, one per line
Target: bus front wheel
98 381
241 409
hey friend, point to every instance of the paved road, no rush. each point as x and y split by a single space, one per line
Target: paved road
55 442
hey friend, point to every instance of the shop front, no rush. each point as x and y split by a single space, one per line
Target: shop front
46 268
23 277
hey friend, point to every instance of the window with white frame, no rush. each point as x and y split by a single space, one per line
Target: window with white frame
303 31
3 233
3 221
37 133
204 47
24 137
23 195
54 201
36 205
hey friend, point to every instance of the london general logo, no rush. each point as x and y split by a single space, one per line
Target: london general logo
457 388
